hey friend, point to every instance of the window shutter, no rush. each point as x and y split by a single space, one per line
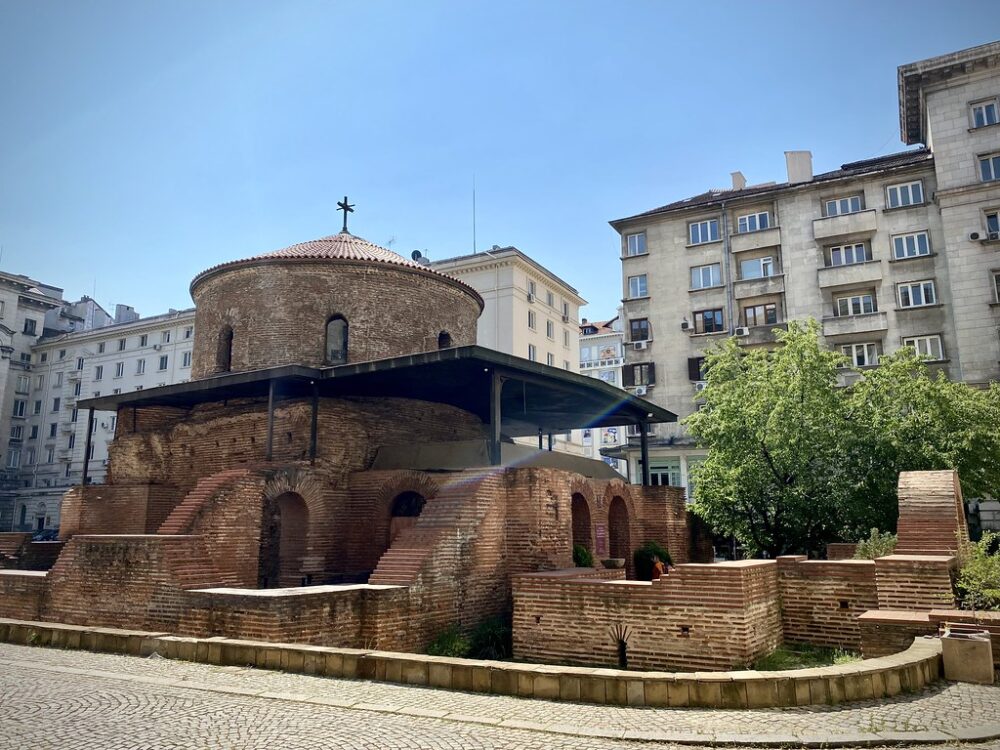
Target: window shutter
694 368
651 380
628 376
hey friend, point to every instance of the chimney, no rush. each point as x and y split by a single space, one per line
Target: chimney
584 321
739 181
800 166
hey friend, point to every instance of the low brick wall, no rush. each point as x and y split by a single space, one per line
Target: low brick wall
915 582
697 617
885 632
841 550
873 679
22 593
821 600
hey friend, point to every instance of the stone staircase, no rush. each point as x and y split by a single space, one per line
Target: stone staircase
448 519
182 518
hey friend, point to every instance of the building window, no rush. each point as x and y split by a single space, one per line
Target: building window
13 458
856 304
550 329
140 366
550 360
992 223
566 365
44 357
550 298
121 344
696 368
20 407
78 388
704 277
637 286
33 432
760 315
757 268
79 363
53 426
23 384
336 342
186 356
30 327
639 329
861 355
116 391
565 338
532 353
532 288
753 222
910 245
50 455
640 374
996 285
26 358
700 232
163 362
58 381
119 369
16 432
72 440
984 113
39 382
850 204
55 404
100 348
73 415
926 346
113 423
532 322
635 244
37 407
708 321
143 340
904 194
165 337
989 167
29 457
847 255
189 332
98 372
916 294
62 354
224 352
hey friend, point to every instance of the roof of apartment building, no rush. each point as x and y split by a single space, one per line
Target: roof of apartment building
53 337
849 170
600 327
504 252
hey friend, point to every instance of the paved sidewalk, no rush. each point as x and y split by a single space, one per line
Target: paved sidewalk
45 693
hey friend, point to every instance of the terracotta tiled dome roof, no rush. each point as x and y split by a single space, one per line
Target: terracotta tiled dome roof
341 246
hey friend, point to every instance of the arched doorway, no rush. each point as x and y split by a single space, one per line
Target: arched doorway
224 353
618 530
580 512
283 529
405 510
444 340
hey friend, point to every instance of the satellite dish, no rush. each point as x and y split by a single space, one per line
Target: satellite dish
416 255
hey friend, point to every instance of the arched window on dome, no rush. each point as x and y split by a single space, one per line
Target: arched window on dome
444 340
336 340
224 355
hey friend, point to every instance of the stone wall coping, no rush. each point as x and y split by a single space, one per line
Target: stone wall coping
850 562
907 671
940 615
296 591
24 573
894 615
118 537
917 558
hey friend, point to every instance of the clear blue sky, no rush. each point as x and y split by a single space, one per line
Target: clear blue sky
143 142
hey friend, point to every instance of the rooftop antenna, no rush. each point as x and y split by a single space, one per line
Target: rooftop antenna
390 242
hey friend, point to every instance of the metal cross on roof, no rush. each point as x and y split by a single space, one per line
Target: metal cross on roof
347 208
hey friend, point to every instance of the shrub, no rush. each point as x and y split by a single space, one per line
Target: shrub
450 643
643 559
978 582
876 545
582 557
491 639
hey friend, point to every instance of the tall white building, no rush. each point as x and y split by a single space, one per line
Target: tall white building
116 358
895 251
602 355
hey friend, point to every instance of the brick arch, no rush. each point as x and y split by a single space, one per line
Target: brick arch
622 540
582 517
294 480
403 482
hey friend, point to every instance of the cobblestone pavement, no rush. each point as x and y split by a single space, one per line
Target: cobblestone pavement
76 700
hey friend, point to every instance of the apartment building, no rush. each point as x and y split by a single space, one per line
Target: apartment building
602 356
126 356
900 250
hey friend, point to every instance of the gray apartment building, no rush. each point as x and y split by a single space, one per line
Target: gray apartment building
899 250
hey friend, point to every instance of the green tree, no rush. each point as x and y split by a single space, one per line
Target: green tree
774 424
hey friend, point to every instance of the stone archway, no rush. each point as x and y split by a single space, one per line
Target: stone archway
582 526
404 512
619 536
283 530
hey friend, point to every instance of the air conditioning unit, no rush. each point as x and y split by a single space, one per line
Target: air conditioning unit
742 331
685 325
157 347
531 297
993 236
973 236
640 390
639 345
699 386
565 318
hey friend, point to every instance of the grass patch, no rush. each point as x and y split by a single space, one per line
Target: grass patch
803 657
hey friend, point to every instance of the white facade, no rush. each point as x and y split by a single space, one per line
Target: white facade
888 252
144 353
602 356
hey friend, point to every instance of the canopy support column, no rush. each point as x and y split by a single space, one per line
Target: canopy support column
270 418
644 451
550 441
313 423
496 386
87 443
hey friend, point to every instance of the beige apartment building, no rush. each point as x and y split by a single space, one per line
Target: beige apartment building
900 250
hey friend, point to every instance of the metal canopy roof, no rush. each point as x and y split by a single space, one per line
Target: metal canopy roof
534 396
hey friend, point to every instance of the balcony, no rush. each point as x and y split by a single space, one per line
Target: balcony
746 288
740 243
849 325
860 223
855 274
761 335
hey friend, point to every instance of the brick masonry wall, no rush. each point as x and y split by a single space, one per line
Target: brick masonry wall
697 617
821 600
116 508
841 550
390 312
22 594
915 582
885 632
931 513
